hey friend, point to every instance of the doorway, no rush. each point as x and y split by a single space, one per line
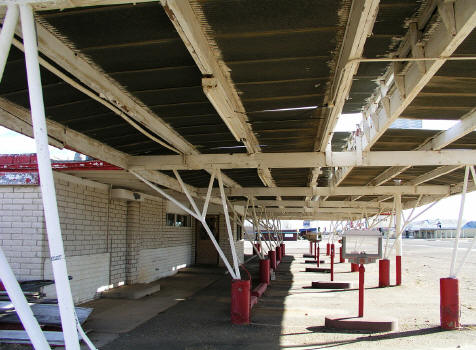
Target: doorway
205 250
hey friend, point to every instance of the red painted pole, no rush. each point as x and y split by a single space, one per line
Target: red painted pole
264 276
240 301
354 267
332 262
315 250
328 249
361 290
318 254
342 260
310 247
383 273
283 249
399 270
449 303
272 258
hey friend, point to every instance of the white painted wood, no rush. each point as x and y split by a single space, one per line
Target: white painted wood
441 43
50 207
336 191
302 160
433 174
319 204
216 83
466 125
74 63
360 24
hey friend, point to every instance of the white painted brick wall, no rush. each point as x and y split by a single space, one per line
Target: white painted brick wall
89 273
22 230
162 262
92 225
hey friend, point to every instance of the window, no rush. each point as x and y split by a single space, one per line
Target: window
181 220
177 220
170 220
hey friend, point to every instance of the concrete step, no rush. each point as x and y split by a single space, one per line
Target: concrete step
133 291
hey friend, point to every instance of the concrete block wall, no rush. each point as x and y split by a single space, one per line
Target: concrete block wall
162 262
117 240
225 242
83 210
93 225
90 272
22 230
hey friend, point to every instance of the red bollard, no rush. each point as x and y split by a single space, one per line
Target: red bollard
278 254
264 276
361 290
354 267
384 273
240 301
310 247
315 250
258 248
342 260
449 303
318 254
398 263
332 262
272 258
328 249
283 249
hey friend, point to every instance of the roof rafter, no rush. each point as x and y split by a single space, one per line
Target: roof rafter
216 82
402 88
440 171
318 204
303 160
359 26
338 191
108 89
19 119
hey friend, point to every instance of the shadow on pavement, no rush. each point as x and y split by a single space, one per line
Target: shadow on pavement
202 321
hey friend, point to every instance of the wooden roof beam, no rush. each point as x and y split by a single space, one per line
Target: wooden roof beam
384 107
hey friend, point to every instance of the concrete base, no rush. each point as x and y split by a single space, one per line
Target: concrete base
314 262
133 291
352 323
332 285
318 269
253 301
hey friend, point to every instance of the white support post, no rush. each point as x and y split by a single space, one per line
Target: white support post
209 194
460 221
390 224
398 224
242 222
196 215
473 242
228 227
6 36
63 290
166 195
22 308
187 193
258 229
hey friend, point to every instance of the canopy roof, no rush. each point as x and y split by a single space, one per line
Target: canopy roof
146 78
